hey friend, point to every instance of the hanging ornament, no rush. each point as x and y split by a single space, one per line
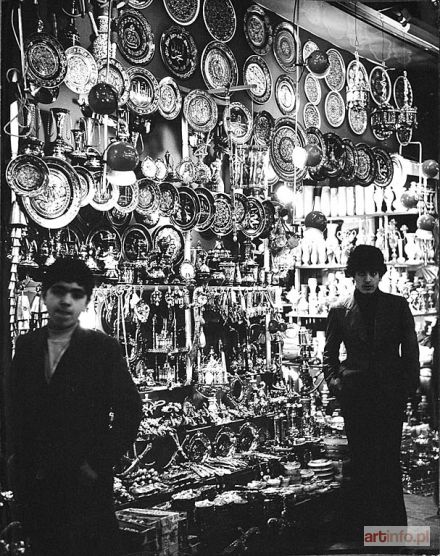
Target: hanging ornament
314 154
103 99
430 168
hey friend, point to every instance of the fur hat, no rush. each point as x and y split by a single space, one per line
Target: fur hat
365 257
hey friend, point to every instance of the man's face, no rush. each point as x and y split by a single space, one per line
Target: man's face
367 281
65 301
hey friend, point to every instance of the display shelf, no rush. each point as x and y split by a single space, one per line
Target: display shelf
369 215
320 266
324 315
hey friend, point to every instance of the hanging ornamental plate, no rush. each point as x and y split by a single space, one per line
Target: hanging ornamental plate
258 30
135 38
366 166
87 184
308 47
357 120
315 137
377 126
285 46
117 77
197 447
179 51
102 237
285 94
117 218
334 155
380 85
256 75
334 109
128 198
206 213
186 170
148 168
247 438
335 77
143 98
139 4
45 59
82 70
150 220
169 198
59 202
135 239
220 19
27 174
384 169
357 76
263 125
312 89
239 123
187 210
224 442
311 116
402 83
149 197
287 135
168 240
240 210
404 135
200 111
348 175
104 197
183 12
219 67
255 220
169 98
222 221
161 169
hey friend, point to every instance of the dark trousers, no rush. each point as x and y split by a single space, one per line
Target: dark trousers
373 424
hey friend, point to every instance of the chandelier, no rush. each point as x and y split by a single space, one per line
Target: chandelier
384 117
357 86
407 117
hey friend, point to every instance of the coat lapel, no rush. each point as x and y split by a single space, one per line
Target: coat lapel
354 319
382 321
74 357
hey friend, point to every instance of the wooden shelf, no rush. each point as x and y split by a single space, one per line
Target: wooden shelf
370 215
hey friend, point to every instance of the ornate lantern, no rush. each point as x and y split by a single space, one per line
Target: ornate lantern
357 85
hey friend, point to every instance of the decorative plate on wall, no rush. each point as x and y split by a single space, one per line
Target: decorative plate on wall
143 98
128 198
334 155
182 12
384 170
380 85
240 210
351 161
308 47
285 94
287 135
239 123
400 84
315 137
117 77
139 4
87 184
220 19
105 196
149 197
224 442
357 68
256 75
285 46
197 447
169 198
169 98
187 210
82 70
117 218
186 170
135 37
219 67
334 109
357 120
255 219
27 174
312 89
101 237
366 167
335 78
135 238
311 116
200 110
207 209
258 30
222 221
59 201
263 126
179 51
46 61
169 241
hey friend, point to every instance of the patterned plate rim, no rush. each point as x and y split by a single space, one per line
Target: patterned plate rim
203 192
340 121
229 55
342 63
131 228
192 194
146 27
246 136
287 26
259 61
286 79
210 124
225 230
92 66
311 105
257 10
379 100
168 80
116 65
133 72
179 254
309 77
189 39
211 31
193 15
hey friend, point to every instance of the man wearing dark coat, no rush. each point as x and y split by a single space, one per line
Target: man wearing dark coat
75 411
372 383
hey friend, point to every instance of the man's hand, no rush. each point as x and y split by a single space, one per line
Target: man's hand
335 386
87 474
